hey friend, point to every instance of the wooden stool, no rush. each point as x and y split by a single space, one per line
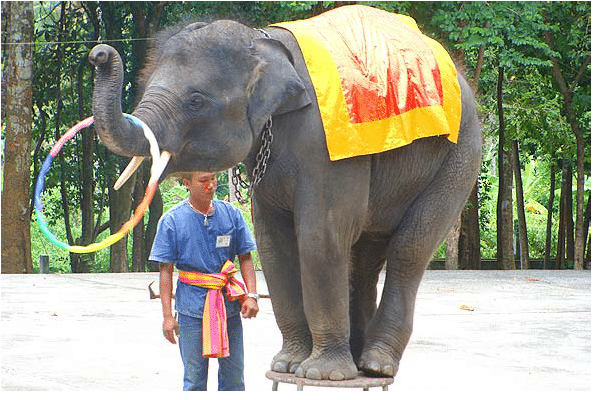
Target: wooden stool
360 381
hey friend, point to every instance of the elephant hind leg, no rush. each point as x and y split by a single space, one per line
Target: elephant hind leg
368 259
423 228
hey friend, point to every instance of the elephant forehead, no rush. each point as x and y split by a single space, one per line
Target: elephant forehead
219 39
204 54
201 69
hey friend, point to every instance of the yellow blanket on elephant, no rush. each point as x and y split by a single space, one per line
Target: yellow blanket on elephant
380 83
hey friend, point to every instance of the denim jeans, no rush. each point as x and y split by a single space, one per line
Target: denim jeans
196 367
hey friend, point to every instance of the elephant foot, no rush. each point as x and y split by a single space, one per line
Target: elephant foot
328 367
287 361
374 362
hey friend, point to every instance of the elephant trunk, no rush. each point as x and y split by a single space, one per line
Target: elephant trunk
117 133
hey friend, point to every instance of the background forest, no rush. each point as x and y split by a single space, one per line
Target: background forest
529 63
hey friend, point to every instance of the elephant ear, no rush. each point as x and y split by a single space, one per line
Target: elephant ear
275 87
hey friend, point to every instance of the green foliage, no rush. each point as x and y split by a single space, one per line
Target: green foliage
40 245
512 35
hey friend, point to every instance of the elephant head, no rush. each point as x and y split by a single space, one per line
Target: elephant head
209 92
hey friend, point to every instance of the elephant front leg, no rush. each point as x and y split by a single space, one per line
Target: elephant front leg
325 281
277 249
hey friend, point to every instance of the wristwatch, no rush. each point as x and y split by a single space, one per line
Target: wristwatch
254 296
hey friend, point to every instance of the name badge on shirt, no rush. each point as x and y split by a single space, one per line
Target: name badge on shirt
223 241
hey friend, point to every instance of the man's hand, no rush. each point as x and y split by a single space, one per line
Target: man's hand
170 329
249 308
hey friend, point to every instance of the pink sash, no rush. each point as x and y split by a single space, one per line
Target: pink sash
215 340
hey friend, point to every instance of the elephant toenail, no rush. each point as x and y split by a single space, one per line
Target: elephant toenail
280 366
373 366
388 370
313 373
336 376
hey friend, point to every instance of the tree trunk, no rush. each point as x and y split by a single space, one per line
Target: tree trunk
587 212
109 121
469 241
451 258
548 240
560 260
523 236
86 261
119 212
568 181
469 245
479 65
57 134
580 234
505 235
144 235
90 227
17 104
588 256
567 92
588 237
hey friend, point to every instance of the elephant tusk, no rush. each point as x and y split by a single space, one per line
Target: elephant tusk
130 169
156 170
160 165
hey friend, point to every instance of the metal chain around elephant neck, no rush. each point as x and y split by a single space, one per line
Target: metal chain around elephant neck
260 168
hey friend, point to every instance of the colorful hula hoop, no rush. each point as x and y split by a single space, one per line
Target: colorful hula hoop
159 163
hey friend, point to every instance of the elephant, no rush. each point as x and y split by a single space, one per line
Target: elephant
325 229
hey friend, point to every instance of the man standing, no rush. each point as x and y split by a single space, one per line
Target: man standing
201 237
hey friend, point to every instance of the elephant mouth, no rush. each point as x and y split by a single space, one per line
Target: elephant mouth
160 158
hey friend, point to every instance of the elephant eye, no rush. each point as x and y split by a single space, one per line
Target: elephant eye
197 101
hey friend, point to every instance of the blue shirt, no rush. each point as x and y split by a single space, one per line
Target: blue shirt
184 240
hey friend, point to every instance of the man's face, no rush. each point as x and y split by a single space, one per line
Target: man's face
203 185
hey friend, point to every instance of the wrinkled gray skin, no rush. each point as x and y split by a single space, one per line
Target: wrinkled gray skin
324 229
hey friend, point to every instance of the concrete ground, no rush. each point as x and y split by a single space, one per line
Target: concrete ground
478 332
